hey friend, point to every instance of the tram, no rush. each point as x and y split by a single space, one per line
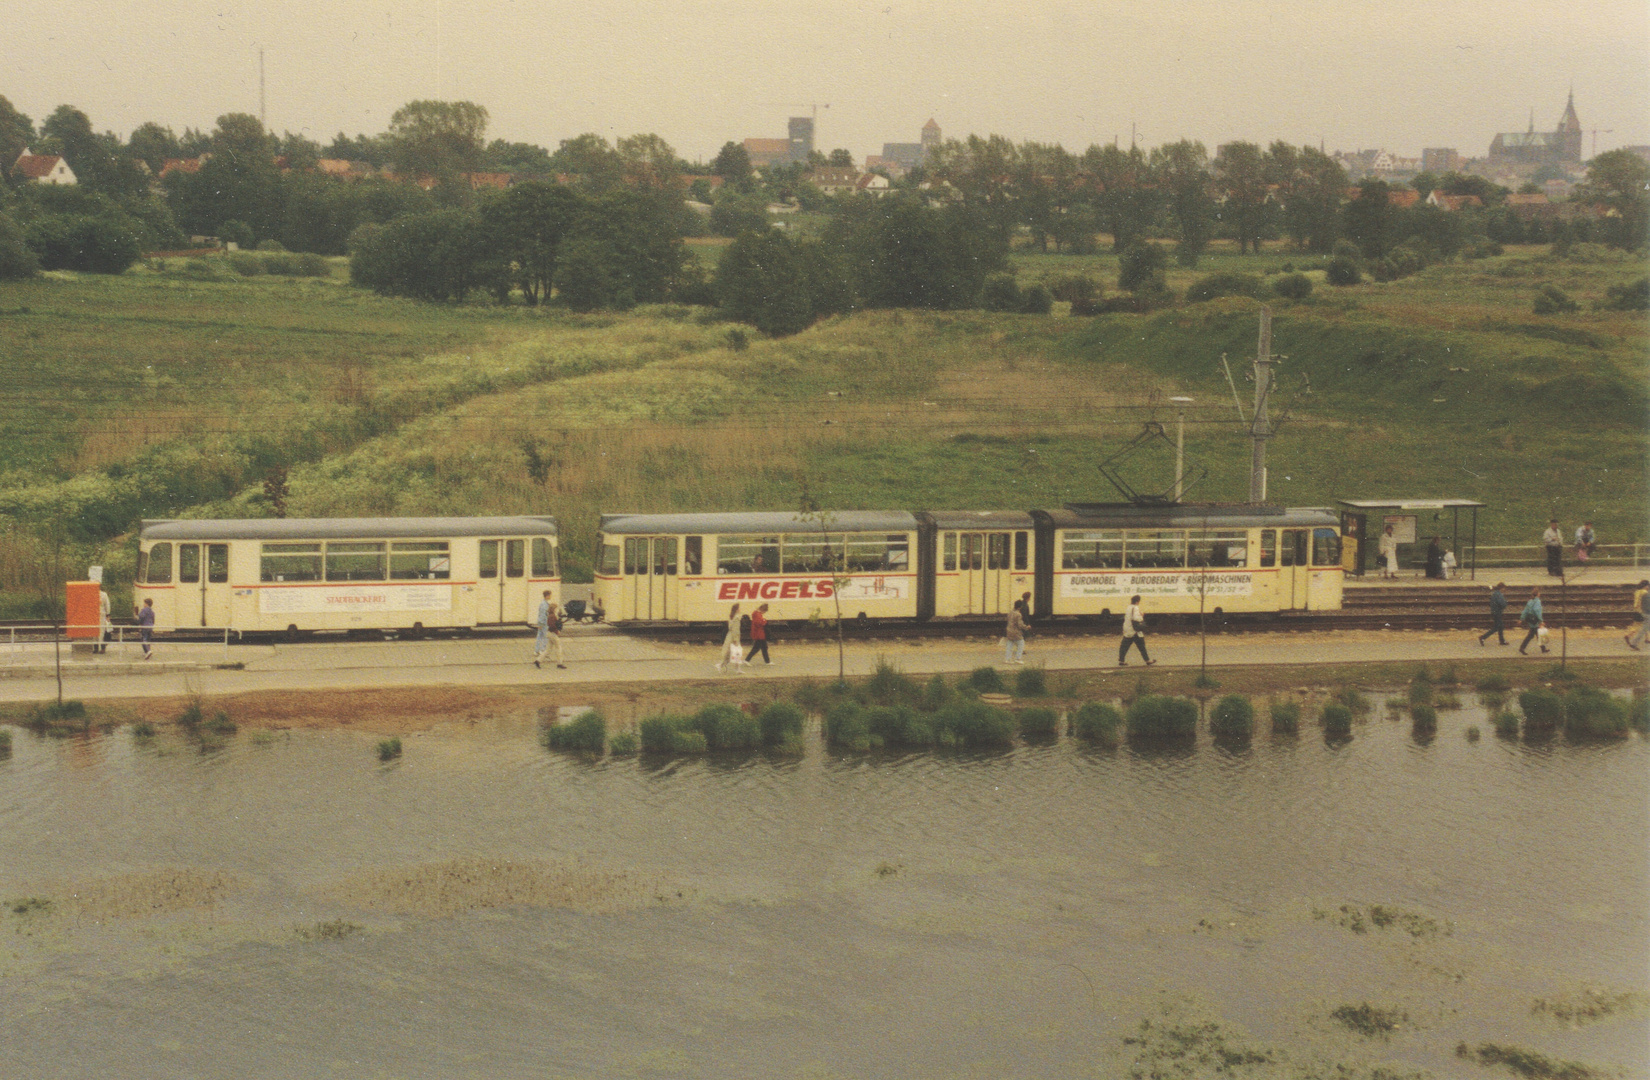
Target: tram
1080 561
307 574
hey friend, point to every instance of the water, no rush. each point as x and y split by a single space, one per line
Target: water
485 908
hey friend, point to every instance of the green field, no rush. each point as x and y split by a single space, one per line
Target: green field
155 394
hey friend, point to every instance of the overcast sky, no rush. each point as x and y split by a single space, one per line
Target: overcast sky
1394 74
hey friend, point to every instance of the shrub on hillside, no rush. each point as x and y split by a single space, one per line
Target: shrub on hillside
1293 286
1631 297
245 263
1097 722
1036 300
1000 293
16 260
1343 271
1552 300
1233 717
1224 284
1154 716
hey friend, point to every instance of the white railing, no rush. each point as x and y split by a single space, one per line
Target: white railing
1536 555
124 636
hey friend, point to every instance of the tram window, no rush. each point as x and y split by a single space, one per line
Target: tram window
1021 546
544 557
1217 549
973 551
693 555
635 555
610 559
996 551
420 560
747 555
189 563
1269 547
897 552
664 555
355 562
487 563
290 562
877 554
160 565
515 558
1294 547
1326 547
217 563
812 553
1154 550
950 551
1091 550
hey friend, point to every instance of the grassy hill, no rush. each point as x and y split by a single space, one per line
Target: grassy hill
155 394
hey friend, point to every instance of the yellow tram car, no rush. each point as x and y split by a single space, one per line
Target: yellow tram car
308 574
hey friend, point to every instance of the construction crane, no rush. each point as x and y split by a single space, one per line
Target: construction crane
1607 131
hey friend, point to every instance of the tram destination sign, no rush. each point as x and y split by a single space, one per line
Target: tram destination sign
1150 583
331 598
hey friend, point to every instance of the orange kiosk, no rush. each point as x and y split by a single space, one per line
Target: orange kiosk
82 611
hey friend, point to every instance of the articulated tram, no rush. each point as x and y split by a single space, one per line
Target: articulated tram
1082 560
303 574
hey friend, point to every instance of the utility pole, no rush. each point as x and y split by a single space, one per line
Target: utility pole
1180 446
1259 429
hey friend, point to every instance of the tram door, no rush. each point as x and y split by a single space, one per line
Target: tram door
650 577
983 563
1294 567
501 582
203 590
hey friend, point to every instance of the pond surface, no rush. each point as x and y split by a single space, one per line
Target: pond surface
289 907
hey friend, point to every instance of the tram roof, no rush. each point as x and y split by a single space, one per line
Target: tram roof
759 522
380 528
1186 516
979 519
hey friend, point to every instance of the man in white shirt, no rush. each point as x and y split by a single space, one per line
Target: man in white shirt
1134 634
1554 541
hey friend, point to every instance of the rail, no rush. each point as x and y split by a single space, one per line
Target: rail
120 637
1510 555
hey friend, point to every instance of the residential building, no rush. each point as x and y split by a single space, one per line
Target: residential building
1441 160
42 168
1444 201
768 152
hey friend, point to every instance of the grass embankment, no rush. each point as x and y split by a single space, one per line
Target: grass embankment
152 394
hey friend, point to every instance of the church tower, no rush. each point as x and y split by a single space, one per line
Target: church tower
1568 137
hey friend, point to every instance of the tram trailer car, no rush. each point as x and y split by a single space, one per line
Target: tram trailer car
307 574
1085 560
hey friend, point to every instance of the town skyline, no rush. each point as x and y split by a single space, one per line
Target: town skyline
872 73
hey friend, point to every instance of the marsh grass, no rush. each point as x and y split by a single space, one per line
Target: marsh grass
622 744
1285 716
1232 718
336 930
1031 682
584 734
1369 1020
1039 723
1530 1064
1336 721
1097 722
389 749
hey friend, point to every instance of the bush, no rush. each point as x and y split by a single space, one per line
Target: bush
1233 717
107 243
1353 698
1293 286
586 733
1073 288
1423 719
1492 684
1591 713
1001 293
778 722
887 723
1097 722
1552 300
1030 682
622 744
1039 723
670 733
1638 714
235 232
685 740
389 749
1286 717
271 245
1543 710
281 265
1344 271
245 263
986 680
311 265
1036 300
1506 723
727 727
937 694
16 260
1336 720
1420 693
1155 716
1140 268
1633 297
973 724
1224 284
846 725
888 685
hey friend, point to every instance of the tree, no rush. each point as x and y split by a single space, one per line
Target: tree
648 163
1141 267
1370 219
1182 168
982 171
98 161
239 182
1240 179
1619 180
1312 186
909 255
733 214
624 248
16 135
443 139
840 159
1124 189
153 144
16 260
762 280
733 164
591 160
301 153
518 157
525 227
437 256
1045 189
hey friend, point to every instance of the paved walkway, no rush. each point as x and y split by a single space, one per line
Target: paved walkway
600 654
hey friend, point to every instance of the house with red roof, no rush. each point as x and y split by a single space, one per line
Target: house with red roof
1445 201
42 168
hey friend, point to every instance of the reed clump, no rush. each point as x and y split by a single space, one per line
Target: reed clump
1543 711
1097 722
1233 718
1286 716
389 749
1336 721
586 733
986 680
1591 713
1423 721
1031 682
1039 723
622 744
1160 717
781 725
1369 1020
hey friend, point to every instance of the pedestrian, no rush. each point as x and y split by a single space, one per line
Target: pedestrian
105 629
549 624
1533 621
732 651
1134 633
1584 542
1389 553
146 624
1435 559
1498 608
1014 636
1641 612
759 635
1553 539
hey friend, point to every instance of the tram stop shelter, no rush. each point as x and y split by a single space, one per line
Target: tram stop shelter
1360 543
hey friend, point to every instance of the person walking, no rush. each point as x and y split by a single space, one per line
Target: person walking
105 629
1641 611
146 625
759 635
1532 619
1498 608
549 624
1553 540
1389 553
1134 634
1014 636
732 651
1584 541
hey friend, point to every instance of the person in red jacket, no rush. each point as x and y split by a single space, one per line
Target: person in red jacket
759 635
